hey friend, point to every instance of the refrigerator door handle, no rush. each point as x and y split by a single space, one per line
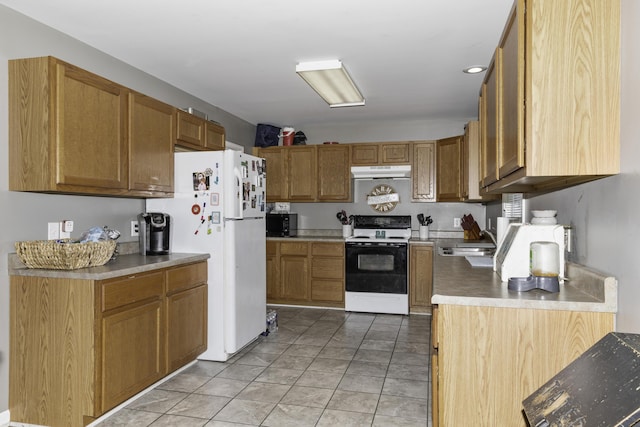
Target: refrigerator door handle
238 195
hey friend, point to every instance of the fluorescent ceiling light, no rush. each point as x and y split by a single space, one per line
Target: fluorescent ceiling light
332 82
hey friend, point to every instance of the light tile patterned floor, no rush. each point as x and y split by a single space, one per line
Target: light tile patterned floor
321 368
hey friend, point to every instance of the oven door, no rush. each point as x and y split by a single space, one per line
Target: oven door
376 267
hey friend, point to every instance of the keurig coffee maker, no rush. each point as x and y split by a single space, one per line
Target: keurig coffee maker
154 233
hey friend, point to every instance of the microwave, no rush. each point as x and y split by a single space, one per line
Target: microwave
282 224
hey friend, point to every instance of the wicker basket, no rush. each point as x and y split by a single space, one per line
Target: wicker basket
51 254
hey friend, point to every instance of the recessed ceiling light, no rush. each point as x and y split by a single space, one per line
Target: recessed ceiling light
474 69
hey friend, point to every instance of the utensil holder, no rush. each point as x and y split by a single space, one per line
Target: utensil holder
424 232
346 230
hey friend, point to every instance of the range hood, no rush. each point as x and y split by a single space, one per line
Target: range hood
369 172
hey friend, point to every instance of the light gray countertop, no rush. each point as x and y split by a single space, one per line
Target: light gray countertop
123 265
456 282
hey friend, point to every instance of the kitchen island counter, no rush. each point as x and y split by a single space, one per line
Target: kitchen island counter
123 265
456 282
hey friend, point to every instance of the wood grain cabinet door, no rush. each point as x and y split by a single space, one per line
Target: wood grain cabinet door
277 179
190 130
365 154
133 349
395 153
449 166
152 135
214 136
186 326
91 130
423 172
420 277
301 164
334 175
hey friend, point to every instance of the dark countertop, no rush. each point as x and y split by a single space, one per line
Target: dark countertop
123 265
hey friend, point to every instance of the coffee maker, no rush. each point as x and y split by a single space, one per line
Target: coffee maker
154 233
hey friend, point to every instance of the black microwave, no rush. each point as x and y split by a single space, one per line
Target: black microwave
282 224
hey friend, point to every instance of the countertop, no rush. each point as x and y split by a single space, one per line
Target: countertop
456 282
123 265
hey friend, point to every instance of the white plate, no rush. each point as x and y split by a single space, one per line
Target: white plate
544 214
544 221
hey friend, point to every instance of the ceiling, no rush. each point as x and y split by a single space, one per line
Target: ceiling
406 56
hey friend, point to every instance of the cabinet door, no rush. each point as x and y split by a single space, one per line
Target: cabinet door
364 154
490 126
421 277
133 349
395 153
186 326
423 175
273 271
276 161
91 134
334 175
511 102
449 166
152 134
214 136
294 274
302 173
190 130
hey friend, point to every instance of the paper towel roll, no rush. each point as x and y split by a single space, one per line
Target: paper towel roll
501 228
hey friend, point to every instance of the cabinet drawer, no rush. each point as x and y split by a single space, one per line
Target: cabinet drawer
327 268
327 290
294 248
328 249
123 291
186 277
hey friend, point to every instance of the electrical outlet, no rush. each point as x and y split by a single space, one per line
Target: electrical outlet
66 227
456 222
134 228
53 231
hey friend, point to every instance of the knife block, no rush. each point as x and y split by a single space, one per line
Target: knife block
472 233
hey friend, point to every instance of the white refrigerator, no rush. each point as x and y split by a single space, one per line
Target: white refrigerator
219 208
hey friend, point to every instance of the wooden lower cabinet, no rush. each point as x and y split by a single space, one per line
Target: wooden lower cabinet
420 277
305 273
80 347
489 359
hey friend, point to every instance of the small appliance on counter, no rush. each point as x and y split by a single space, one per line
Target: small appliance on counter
513 256
282 224
154 233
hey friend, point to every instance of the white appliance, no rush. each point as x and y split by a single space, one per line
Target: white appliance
219 208
370 172
377 264
512 258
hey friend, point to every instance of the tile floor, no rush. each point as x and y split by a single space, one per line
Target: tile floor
321 368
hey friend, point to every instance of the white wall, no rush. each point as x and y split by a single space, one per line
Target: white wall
23 216
604 213
322 216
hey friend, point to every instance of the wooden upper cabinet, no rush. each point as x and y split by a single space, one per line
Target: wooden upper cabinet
301 164
197 133
511 107
71 131
191 130
276 161
334 175
556 84
364 154
395 153
67 129
423 172
449 167
384 153
471 165
490 126
152 133
214 136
